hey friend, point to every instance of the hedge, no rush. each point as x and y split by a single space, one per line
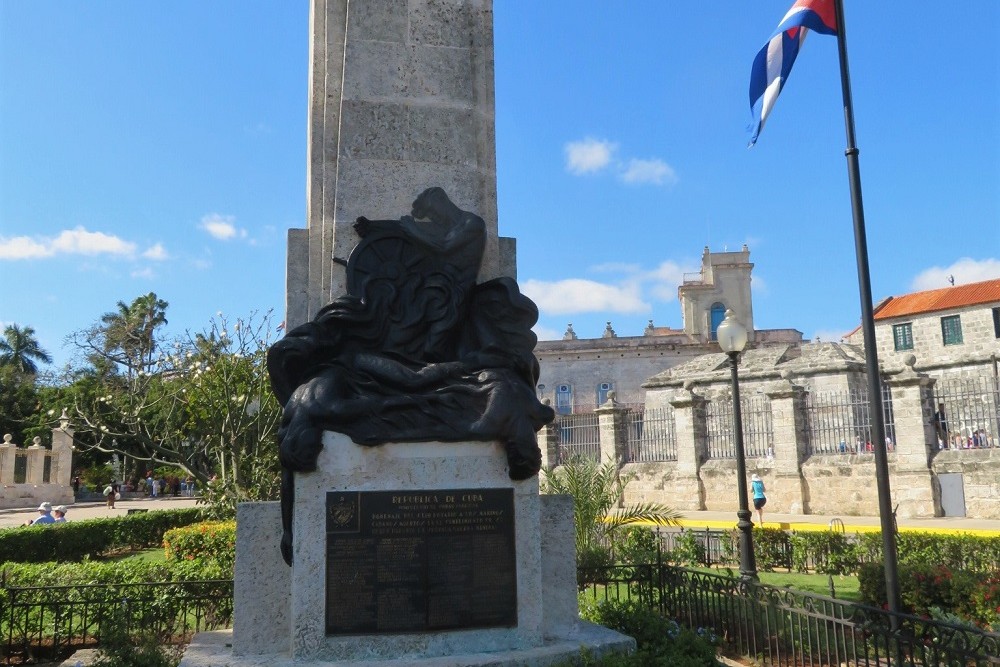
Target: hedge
208 540
76 540
110 572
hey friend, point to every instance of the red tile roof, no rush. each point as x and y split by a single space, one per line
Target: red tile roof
933 300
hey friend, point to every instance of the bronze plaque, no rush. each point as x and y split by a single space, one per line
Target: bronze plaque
416 561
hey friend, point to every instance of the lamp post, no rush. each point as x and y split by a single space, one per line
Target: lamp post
732 337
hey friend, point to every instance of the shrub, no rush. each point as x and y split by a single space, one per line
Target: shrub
688 549
210 540
829 552
639 546
76 540
771 548
660 642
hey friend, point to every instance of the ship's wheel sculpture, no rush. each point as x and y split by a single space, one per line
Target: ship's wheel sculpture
415 351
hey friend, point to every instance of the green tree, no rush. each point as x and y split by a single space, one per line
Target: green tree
19 348
203 403
600 518
18 404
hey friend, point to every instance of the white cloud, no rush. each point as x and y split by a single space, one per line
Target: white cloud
142 273
654 172
965 270
156 252
584 296
665 279
22 247
545 333
589 155
76 241
221 227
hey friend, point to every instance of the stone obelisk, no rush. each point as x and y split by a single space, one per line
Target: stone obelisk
401 98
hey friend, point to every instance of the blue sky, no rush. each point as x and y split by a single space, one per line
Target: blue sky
161 146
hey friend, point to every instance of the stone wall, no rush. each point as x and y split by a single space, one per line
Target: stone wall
798 479
34 488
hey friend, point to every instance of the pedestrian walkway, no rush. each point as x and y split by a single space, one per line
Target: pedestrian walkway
851 524
97 510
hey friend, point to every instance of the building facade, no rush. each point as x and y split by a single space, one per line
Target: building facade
578 374
951 331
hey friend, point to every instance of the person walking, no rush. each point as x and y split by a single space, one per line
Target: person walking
759 499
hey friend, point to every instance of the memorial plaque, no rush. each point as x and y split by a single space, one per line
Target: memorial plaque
415 561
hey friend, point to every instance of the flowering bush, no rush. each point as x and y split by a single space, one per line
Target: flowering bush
208 540
926 588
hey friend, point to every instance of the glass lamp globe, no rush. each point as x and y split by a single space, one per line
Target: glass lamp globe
731 334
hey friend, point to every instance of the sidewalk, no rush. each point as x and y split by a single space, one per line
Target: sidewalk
852 524
97 510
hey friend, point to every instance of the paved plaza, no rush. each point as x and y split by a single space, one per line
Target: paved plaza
96 510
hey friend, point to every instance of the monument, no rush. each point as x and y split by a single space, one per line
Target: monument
410 529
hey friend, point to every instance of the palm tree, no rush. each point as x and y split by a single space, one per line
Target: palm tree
130 329
20 349
599 519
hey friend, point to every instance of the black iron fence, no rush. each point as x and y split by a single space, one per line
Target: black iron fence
758 430
650 435
45 622
579 435
972 412
776 626
839 422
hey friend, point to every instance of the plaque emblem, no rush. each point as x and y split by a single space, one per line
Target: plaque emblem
342 512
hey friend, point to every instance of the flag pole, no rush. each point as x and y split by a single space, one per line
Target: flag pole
868 327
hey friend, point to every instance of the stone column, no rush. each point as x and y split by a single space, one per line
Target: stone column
611 427
548 442
912 483
689 418
8 450
62 452
787 419
36 462
401 98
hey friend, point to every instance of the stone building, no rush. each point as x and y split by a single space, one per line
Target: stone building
577 374
807 433
951 331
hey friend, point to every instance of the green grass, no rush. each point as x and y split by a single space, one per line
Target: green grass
845 587
152 555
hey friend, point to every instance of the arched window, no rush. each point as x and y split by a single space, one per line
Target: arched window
564 399
718 314
602 392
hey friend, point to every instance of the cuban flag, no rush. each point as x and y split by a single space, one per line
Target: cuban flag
774 62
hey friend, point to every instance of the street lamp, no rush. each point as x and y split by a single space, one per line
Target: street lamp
732 337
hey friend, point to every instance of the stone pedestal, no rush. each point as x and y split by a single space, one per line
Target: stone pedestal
8 452
36 463
280 612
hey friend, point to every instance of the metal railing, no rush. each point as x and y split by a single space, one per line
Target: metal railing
839 422
650 435
579 436
972 411
778 626
43 622
758 432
